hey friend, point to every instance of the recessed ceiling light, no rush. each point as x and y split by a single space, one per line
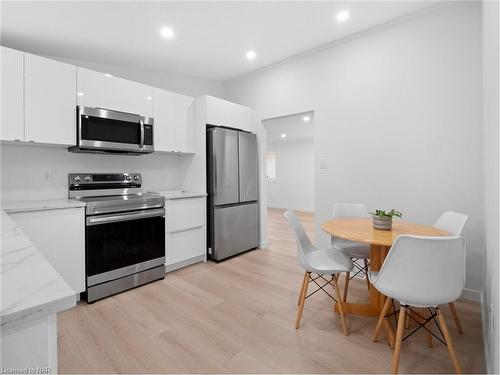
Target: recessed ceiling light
167 32
108 75
343 15
306 119
251 55
283 135
80 94
149 97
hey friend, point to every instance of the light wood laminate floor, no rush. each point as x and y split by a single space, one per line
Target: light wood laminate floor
237 316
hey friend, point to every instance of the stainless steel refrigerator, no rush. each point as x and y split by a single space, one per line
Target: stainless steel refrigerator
233 206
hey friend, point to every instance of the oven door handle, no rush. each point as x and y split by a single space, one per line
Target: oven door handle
105 219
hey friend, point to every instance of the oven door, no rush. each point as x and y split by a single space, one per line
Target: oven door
122 244
102 129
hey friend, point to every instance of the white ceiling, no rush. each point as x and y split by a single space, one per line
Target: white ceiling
211 37
293 126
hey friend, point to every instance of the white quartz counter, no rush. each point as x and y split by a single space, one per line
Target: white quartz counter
38 205
177 194
30 287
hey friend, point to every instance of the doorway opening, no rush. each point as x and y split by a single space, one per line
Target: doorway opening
290 166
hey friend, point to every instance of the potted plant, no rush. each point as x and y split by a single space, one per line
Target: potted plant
383 220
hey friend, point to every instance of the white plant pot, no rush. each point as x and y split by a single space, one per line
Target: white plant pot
382 223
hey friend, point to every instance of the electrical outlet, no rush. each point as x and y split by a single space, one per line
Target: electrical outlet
47 175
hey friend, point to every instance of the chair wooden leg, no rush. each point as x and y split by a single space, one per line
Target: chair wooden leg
449 343
455 317
366 270
381 319
346 286
302 299
399 337
339 304
302 289
407 321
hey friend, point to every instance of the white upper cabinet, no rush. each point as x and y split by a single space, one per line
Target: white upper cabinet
50 101
220 112
105 91
173 122
12 95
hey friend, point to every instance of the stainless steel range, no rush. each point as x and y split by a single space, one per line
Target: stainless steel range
124 232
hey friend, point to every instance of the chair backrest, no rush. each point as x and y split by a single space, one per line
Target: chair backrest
452 222
345 210
304 245
424 271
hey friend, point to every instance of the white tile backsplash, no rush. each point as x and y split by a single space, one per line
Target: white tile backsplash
30 172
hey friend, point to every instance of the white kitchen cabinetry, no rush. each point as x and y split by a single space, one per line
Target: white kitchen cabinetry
12 95
220 112
50 101
102 90
185 241
60 237
173 121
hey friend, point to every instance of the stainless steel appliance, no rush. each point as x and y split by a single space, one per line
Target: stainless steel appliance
233 207
105 131
124 232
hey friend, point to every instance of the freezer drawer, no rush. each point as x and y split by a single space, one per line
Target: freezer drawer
236 229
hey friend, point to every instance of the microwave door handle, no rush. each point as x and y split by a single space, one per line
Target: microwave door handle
141 144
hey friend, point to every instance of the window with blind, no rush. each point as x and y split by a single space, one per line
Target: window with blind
271 166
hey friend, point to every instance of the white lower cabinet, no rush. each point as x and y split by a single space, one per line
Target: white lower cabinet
184 245
60 236
185 238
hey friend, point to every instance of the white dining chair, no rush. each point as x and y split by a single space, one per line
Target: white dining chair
453 223
412 274
355 250
321 262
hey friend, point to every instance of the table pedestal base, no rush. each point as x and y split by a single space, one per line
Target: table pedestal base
376 301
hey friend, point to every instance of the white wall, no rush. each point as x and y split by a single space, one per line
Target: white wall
24 169
397 116
294 186
491 168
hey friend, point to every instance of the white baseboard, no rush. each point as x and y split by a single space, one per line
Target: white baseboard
184 263
472 295
294 208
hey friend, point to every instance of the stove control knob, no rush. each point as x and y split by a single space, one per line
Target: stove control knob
87 178
77 178
128 178
136 178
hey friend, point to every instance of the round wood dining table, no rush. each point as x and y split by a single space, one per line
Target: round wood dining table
380 241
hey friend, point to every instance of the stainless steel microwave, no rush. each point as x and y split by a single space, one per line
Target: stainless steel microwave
106 131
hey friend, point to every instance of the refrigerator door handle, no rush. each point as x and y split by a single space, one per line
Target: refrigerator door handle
214 177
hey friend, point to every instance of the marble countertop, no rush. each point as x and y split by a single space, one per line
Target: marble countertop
31 288
38 205
177 194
